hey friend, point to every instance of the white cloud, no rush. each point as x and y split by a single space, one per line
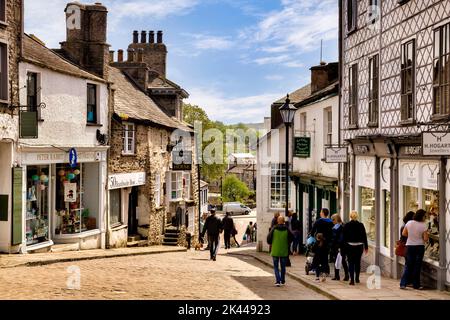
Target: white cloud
207 42
274 77
220 106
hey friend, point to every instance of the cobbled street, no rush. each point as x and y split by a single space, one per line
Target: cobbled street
181 275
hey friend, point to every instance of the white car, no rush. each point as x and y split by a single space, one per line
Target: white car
235 208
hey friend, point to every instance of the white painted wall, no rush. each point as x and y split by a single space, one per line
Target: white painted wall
65 114
315 126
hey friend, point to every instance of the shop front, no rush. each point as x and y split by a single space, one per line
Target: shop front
62 202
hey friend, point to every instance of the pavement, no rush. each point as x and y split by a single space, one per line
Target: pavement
38 259
388 288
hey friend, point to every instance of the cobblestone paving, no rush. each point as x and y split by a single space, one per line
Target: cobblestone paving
181 275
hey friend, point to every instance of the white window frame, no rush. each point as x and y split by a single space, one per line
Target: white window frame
303 122
328 126
278 167
126 136
187 186
158 190
178 185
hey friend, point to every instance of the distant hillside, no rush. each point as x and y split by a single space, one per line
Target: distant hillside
255 126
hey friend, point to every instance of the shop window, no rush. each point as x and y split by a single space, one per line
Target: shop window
77 197
176 185
115 204
407 80
3 72
373 89
353 96
91 103
352 14
441 73
278 186
3 11
37 205
128 138
367 210
158 190
430 203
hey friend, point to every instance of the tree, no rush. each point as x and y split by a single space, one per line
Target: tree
234 189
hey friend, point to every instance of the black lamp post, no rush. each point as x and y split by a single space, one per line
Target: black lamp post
287 113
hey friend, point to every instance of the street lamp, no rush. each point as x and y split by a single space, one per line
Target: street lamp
287 113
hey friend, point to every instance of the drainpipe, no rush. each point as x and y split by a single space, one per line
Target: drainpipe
441 274
341 184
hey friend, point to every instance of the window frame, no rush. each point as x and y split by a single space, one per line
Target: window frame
374 90
186 185
438 85
120 220
90 105
126 137
352 15
353 96
408 111
328 126
3 15
280 169
158 190
303 122
4 76
178 185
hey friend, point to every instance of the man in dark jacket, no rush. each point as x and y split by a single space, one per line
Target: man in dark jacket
214 227
228 225
324 226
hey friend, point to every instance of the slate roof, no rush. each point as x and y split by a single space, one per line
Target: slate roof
36 53
129 100
297 95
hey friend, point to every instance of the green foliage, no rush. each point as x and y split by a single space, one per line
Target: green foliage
234 189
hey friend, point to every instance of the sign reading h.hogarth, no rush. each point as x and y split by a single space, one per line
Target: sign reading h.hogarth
336 155
436 143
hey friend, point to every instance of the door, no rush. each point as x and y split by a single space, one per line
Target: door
132 214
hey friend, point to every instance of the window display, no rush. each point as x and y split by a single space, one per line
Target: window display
367 210
411 199
37 209
430 200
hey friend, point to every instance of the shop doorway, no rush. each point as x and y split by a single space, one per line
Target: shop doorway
132 211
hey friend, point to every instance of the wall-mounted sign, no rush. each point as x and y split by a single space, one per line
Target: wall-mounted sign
60 157
126 180
336 155
411 150
73 158
436 143
302 147
181 160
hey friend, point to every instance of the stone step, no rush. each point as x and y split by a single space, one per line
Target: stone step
140 243
134 238
171 235
173 244
171 239
172 231
65 247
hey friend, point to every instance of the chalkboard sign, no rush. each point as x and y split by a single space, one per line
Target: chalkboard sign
17 206
302 147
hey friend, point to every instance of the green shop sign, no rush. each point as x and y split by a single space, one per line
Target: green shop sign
302 147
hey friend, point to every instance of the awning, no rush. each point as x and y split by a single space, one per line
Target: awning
313 179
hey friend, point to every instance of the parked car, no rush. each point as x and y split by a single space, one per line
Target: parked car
235 208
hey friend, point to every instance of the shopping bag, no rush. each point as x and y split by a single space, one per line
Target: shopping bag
338 263
310 241
244 237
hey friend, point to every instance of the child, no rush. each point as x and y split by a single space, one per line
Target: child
320 260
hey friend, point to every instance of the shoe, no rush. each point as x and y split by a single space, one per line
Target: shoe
352 283
346 279
283 284
419 288
403 287
317 280
357 280
277 284
214 258
336 279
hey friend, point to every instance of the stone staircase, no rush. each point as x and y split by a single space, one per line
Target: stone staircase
171 236
136 241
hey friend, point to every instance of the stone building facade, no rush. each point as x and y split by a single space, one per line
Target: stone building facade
393 89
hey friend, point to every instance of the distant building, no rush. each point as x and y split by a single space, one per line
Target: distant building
243 166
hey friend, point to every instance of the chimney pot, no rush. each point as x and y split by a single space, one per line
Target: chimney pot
111 56
135 36
130 55
140 55
160 37
151 38
120 55
144 37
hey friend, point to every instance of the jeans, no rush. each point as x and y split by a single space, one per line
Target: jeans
296 242
279 277
413 265
227 238
213 241
354 254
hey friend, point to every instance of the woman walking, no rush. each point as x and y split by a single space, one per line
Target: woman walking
416 232
279 238
355 239
337 246
320 260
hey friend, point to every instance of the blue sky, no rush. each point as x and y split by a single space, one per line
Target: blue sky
234 57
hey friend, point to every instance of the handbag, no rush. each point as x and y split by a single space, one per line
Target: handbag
400 248
338 263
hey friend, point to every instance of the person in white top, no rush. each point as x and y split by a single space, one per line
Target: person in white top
417 233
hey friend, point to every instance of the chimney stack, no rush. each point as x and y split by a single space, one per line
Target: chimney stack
120 55
111 56
131 55
151 38
140 58
135 36
144 37
323 75
160 37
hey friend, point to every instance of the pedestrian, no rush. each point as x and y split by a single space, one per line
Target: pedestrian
234 233
296 228
255 232
274 220
278 238
213 225
355 239
324 225
249 232
228 225
416 232
320 260
337 247
408 217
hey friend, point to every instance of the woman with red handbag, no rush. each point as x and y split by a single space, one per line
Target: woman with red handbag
400 248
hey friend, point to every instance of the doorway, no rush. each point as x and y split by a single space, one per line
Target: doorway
132 211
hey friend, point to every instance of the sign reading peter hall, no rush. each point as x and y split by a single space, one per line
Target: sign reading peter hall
436 143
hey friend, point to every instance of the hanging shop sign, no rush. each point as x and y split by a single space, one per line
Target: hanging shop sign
73 158
436 143
336 155
302 147
126 180
28 124
181 160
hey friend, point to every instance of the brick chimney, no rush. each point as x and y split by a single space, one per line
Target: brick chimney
155 54
86 43
323 75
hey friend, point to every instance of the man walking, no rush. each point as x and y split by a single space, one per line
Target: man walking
324 225
213 226
228 225
279 238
